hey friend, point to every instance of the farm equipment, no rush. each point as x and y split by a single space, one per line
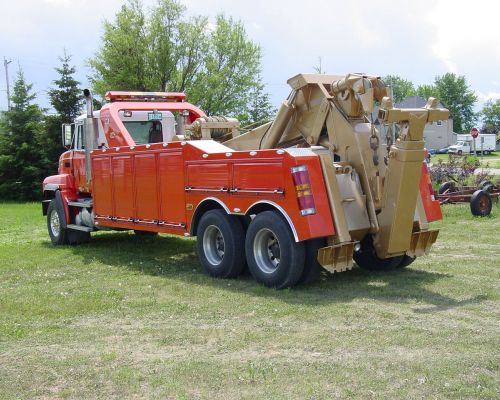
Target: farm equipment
315 188
480 197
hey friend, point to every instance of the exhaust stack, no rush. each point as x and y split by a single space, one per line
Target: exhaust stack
90 134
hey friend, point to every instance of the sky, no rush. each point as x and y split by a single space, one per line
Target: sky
416 40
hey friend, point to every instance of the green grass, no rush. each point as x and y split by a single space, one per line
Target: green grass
134 317
491 161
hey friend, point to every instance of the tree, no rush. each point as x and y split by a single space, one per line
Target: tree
491 117
163 50
65 98
260 108
426 91
230 70
401 88
457 96
121 63
20 161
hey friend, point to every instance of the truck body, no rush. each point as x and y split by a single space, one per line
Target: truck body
311 190
485 144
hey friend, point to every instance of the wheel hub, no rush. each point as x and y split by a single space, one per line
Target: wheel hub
213 245
267 251
55 223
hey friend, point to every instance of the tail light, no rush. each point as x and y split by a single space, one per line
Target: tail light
302 184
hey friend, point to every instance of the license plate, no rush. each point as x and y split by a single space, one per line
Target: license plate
154 116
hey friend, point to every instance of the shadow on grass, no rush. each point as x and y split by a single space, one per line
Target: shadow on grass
171 257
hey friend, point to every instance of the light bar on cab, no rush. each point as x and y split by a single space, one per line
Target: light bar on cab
116 95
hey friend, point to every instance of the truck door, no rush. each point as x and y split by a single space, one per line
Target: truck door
78 155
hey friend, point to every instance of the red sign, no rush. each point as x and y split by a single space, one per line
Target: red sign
474 132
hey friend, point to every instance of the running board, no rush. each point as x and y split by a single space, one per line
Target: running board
79 228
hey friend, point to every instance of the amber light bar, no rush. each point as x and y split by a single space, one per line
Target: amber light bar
115 95
302 183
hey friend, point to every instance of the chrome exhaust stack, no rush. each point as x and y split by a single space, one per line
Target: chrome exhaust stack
90 133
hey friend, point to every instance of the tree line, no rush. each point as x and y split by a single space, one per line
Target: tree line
163 49
456 95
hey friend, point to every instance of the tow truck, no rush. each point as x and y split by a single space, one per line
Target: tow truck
319 187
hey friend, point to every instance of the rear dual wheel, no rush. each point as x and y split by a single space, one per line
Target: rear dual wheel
274 258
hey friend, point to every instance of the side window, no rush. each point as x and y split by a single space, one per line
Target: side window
79 141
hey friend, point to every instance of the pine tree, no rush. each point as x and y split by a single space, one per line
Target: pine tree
20 160
65 98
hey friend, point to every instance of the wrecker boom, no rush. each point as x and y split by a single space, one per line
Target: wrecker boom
331 114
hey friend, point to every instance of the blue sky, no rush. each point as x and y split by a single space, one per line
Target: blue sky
416 40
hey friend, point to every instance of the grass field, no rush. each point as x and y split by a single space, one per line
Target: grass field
133 317
490 161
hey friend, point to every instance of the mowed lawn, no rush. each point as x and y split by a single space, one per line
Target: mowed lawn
134 317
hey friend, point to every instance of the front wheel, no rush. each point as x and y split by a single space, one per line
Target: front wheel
55 223
274 258
220 244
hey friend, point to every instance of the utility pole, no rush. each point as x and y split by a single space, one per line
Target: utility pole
6 66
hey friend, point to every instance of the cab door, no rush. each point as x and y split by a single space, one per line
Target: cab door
78 156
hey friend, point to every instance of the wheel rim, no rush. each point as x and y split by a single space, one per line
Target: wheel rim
266 250
55 223
483 204
213 245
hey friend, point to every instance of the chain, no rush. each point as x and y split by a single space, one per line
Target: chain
374 142
389 141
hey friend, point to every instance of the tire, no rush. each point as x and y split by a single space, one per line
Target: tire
407 260
312 268
56 223
487 186
274 258
445 186
459 152
367 258
480 203
145 233
220 244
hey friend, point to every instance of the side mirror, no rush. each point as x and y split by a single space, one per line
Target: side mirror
67 135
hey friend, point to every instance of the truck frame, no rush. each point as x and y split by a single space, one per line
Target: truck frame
313 189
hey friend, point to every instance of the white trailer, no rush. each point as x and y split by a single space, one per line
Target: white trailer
485 144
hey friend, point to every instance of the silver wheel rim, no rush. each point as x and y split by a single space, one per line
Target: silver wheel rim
266 250
213 245
55 223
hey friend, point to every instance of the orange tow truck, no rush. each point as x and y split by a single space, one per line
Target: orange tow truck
286 200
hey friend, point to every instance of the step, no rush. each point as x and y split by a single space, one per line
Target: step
79 203
79 228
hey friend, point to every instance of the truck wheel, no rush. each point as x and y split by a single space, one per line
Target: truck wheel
55 221
273 256
145 233
220 244
407 260
312 268
480 203
459 152
367 258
